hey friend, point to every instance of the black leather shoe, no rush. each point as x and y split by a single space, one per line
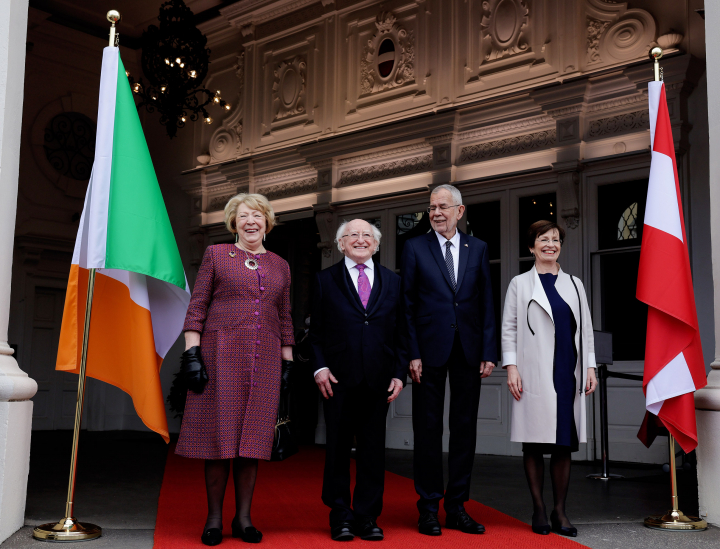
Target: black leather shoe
342 531
429 524
543 530
368 530
248 535
463 522
569 531
211 536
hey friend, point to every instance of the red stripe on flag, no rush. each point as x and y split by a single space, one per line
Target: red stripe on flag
678 415
664 276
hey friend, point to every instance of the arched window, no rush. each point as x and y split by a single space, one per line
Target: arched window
627 226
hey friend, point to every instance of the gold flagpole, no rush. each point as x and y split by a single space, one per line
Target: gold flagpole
674 519
69 529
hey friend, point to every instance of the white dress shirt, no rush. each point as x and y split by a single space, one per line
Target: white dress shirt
354 274
454 249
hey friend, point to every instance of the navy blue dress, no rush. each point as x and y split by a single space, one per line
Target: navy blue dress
563 369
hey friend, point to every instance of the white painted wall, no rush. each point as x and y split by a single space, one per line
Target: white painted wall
707 400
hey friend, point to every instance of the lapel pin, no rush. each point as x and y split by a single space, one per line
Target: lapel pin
232 254
466 246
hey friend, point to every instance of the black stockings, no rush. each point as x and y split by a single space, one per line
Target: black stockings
217 472
560 476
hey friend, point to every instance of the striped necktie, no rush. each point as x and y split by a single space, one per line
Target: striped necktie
450 264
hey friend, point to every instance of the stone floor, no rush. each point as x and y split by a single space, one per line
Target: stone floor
119 477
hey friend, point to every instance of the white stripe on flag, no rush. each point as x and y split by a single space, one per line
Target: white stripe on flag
673 380
654 89
662 210
166 302
102 167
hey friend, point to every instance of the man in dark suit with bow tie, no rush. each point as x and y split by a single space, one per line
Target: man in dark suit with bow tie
449 330
355 349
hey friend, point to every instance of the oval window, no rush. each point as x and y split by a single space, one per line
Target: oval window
386 57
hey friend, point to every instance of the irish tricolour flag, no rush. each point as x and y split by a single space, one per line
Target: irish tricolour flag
141 293
674 366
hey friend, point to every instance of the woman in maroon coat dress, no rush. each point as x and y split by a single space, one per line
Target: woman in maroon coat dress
239 316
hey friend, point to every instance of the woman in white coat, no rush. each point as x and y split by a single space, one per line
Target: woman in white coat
548 351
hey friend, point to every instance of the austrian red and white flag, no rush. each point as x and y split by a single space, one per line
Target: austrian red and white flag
674 366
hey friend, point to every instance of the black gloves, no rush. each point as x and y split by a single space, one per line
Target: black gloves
193 370
287 366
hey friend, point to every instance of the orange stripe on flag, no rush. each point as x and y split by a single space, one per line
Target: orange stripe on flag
121 349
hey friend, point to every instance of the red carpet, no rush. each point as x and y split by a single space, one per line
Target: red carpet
288 510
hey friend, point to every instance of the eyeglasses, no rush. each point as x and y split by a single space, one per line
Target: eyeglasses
442 208
356 236
545 241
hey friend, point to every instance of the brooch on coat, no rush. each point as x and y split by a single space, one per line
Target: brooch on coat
232 254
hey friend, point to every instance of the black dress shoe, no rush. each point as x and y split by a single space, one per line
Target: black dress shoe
342 531
569 531
211 536
429 524
543 530
248 535
368 530
463 522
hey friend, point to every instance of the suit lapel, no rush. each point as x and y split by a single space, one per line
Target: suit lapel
434 245
462 262
378 290
341 276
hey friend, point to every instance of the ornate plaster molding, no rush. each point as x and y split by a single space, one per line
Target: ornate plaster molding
441 139
615 33
285 190
617 103
296 173
403 69
219 202
503 26
289 87
566 111
510 146
243 13
621 123
382 154
507 127
395 168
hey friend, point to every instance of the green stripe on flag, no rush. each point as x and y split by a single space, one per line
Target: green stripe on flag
139 236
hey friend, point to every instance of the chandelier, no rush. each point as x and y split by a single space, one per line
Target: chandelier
175 62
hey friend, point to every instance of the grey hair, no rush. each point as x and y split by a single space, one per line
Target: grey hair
377 235
457 197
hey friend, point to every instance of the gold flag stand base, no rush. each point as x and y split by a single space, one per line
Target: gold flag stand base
68 529
676 520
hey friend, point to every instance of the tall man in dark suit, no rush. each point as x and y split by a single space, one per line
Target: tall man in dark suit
354 342
450 329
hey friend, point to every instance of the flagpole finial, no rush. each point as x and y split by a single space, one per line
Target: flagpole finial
113 16
655 54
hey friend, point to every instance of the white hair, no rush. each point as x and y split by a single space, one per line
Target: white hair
457 197
377 235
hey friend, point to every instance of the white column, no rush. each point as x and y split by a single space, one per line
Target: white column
707 401
16 388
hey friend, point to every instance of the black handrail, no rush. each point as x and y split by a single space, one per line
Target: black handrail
603 375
